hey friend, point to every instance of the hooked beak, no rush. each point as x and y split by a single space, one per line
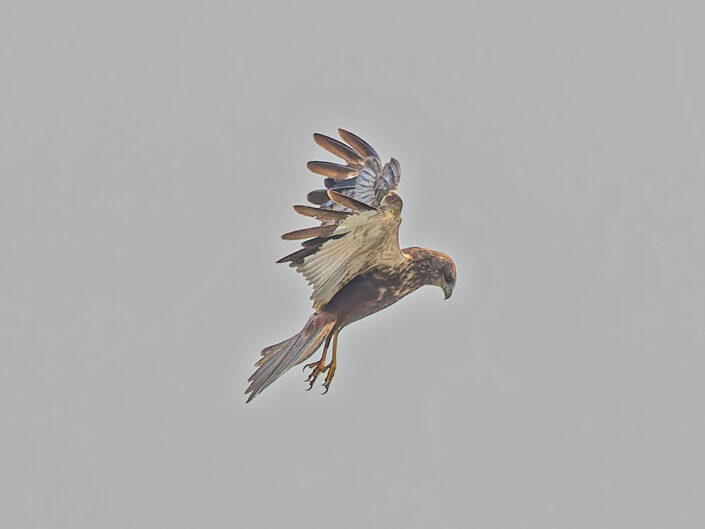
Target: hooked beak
448 289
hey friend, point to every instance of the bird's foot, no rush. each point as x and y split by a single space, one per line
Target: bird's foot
318 368
329 376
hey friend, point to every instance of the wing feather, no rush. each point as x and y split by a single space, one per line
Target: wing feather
307 233
369 241
360 214
321 213
336 171
339 149
318 197
358 144
364 178
348 202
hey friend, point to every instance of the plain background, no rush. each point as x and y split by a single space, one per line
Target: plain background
150 155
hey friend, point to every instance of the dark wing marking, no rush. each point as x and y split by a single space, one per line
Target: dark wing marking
318 197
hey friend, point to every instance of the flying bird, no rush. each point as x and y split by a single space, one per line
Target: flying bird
352 260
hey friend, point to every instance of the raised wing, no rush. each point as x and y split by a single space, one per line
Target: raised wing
360 215
362 177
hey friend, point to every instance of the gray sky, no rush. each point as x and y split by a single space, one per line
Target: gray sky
149 156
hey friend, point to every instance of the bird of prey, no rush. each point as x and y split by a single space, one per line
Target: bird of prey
352 259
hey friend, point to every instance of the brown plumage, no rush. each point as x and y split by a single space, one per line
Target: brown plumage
307 233
349 202
335 171
321 213
352 259
339 149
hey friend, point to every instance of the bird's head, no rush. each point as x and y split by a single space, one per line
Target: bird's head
434 268
445 274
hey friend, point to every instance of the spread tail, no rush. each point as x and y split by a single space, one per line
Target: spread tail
279 358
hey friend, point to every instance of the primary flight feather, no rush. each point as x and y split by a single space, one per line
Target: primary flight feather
352 260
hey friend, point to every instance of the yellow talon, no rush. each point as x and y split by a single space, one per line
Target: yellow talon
330 368
318 368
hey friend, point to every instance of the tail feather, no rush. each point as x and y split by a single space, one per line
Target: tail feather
279 358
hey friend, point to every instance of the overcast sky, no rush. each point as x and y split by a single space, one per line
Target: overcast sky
150 153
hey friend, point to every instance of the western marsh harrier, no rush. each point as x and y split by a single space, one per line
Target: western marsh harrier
352 259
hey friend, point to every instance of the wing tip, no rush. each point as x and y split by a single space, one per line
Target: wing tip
321 213
307 233
330 169
358 144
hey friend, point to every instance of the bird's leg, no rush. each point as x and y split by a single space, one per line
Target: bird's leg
319 366
331 367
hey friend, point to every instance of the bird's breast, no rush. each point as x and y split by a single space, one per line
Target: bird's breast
367 294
